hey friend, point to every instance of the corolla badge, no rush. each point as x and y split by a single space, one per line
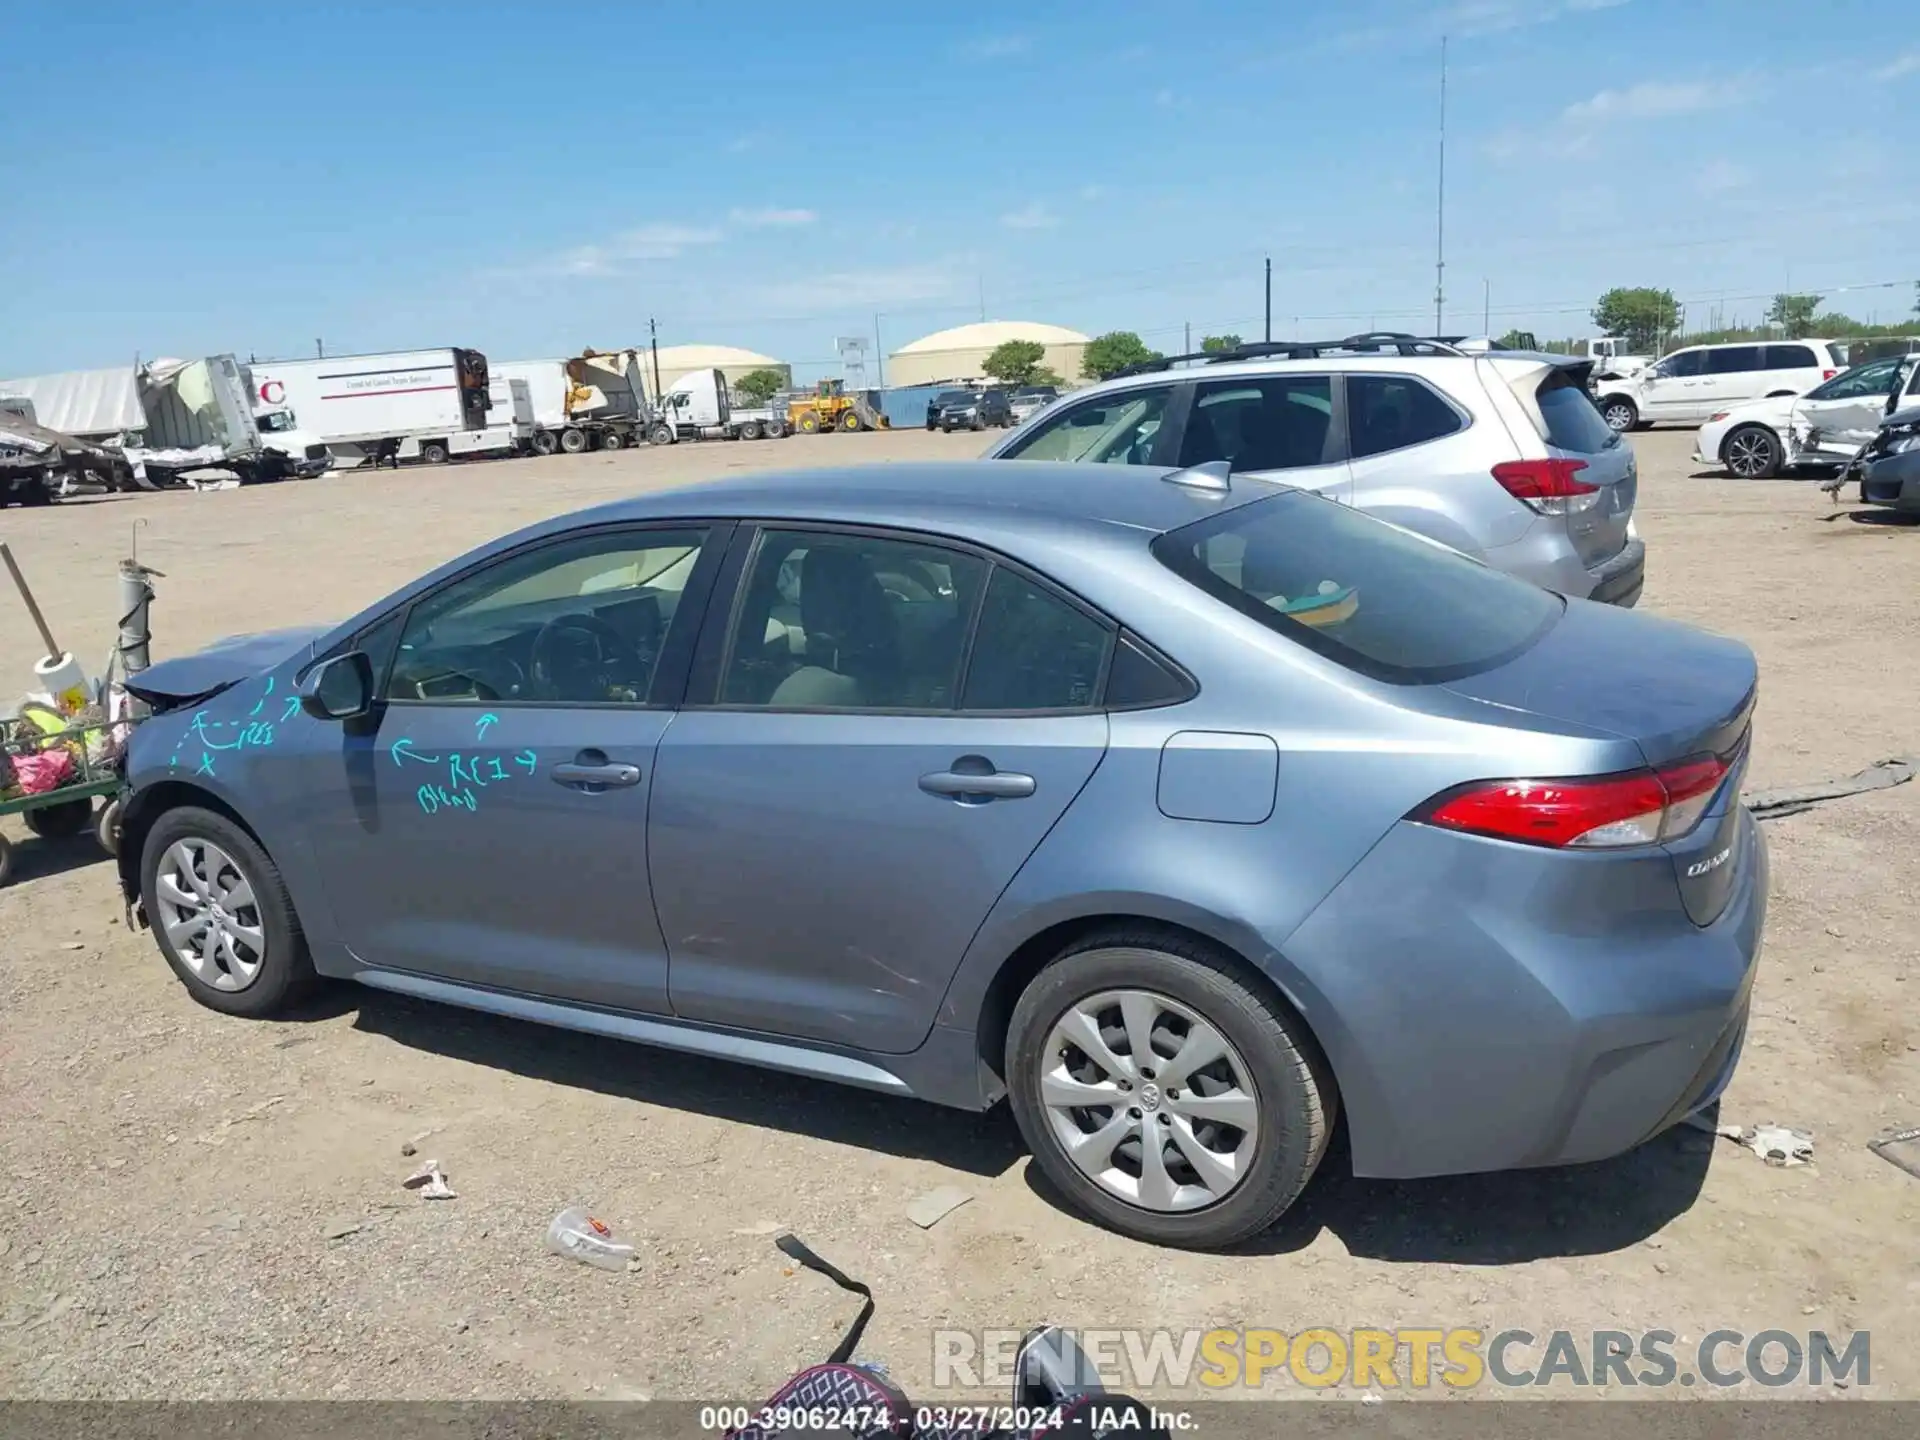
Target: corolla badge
1708 865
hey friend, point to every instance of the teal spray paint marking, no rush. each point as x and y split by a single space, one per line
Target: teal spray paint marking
480 725
293 708
263 697
526 760
402 750
206 765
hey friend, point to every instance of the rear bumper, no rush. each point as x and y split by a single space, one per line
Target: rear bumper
1620 580
1513 1008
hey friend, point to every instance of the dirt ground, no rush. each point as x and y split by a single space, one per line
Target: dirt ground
170 1178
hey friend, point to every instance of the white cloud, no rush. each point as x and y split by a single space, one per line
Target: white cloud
998 47
1651 99
659 241
1465 19
1906 64
1594 4
1721 176
877 288
1092 192
759 219
1030 217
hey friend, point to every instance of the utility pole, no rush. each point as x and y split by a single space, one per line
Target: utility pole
319 349
879 355
1269 299
653 341
1440 205
1187 348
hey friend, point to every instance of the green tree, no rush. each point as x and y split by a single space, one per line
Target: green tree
1517 340
1046 375
1113 352
1014 362
1214 344
1794 314
1641 316
756 387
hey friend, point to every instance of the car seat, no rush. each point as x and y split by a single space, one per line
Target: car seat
852 642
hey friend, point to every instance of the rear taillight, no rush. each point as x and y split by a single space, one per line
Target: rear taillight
1828 374
1547 487
1604 812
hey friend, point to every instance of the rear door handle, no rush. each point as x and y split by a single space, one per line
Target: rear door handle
998 785
598 777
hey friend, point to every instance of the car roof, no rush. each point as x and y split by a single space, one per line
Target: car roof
977 497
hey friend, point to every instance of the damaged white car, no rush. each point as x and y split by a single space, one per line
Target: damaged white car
1823 428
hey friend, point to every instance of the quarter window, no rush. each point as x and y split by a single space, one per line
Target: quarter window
1791 357
1390 412
1278 423
576 622
1118 428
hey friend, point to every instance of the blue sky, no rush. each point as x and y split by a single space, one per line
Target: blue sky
191 177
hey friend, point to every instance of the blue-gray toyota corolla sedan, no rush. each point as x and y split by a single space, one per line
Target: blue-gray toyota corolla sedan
1187 812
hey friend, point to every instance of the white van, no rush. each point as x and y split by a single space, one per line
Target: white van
1691 384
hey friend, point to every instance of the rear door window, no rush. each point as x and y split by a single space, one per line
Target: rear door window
1118 428
1280 422
1368 595
1391 412
1571 420
1733 359
1791 357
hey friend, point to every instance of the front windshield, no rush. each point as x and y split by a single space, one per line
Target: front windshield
274 422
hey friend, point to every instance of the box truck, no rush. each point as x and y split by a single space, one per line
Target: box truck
366 407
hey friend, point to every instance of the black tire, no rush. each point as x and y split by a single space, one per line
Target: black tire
545 442
60 822
661 434
6 859
1751 452
809 422
286 968
1620 413
1295 1092
574 442
750 430
850 421
435 452
612 440
932 425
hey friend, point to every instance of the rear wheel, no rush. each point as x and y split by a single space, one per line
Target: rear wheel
1163 1096
221 914
809 422
573 441
435 452
1752 452
545 443
750 430
1620 413
611 440
59 822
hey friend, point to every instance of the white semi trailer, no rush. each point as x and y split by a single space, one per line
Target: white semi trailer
366 408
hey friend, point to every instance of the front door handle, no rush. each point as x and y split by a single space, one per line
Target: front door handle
596 777
995 785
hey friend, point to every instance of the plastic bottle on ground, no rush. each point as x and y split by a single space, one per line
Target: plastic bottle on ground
578 1236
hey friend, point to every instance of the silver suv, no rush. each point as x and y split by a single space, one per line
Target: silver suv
1501 455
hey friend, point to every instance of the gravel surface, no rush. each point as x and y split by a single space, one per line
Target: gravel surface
193 1206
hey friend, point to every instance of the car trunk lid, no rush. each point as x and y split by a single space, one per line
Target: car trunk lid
1593 670
1553 393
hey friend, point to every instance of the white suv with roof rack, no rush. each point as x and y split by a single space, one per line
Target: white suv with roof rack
1500 455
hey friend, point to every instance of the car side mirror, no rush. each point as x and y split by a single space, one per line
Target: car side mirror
338 689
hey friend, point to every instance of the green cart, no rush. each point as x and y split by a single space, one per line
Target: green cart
68 810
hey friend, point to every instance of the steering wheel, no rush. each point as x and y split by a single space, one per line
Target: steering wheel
581 657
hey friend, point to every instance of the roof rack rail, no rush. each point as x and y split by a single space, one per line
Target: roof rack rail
1384 342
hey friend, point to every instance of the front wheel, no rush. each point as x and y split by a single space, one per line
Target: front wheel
1620 413
660 434
851 421
434 452
221 914
1164 1097
1752 453
809 422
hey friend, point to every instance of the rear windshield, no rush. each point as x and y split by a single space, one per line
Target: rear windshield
1361 592
1572 421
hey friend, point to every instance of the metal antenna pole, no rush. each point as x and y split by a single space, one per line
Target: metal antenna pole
1269 334
1440 206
